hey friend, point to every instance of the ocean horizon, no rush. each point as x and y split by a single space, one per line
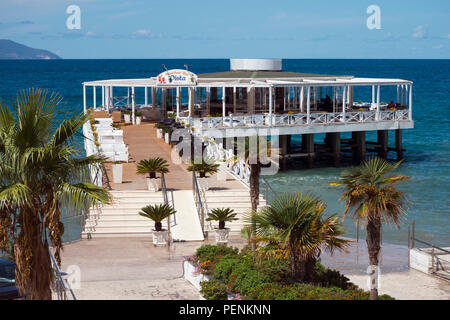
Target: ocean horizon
427 145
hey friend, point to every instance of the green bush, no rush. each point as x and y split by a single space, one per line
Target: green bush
224 267
331 278
213 290
276 269
212 253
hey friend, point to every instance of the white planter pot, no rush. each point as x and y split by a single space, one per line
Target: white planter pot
160 238
222 172
152 184
222 235
117 169
138 120
167 137
203 184
159 133
127 118
192 276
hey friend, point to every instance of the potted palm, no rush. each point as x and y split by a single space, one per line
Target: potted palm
138 115
127 115
158 213
159 130
151 167
222 215
117 169
203 167
166 132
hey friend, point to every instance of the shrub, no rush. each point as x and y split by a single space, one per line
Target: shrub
211 252
213 290
276 269
331 278
224 267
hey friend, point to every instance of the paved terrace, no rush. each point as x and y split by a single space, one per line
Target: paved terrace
143 144
132 268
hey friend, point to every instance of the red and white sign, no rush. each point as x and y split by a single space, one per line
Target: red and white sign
177 77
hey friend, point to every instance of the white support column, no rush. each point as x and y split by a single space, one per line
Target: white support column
344 102
84 98
401 95
270 105
146 95
103 96
302 93
94 96
178 101
111 97
223 104
308 105
398 93
373 95
133 106
377 116
406 93
410 102
190 97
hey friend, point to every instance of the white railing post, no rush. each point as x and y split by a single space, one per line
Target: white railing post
94 96
223 105
133 105
377 115
178 101
84 98
344 102
410 103
270 105
146 96
308 105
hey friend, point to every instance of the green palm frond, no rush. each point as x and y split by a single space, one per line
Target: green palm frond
152 166
203 166
157 212
369 191
296 220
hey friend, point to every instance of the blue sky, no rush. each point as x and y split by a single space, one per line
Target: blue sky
224 29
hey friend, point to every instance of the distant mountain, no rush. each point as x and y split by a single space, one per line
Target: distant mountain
13 50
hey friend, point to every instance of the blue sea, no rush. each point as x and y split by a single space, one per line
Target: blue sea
428 146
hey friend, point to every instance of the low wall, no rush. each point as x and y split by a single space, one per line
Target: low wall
192 276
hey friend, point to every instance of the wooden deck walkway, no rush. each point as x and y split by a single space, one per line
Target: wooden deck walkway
143 144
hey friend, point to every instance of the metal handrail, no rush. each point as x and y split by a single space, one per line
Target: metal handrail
198 201
269 187
61 286
166 200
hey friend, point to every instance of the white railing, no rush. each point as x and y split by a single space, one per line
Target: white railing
263 120
237 167
91 148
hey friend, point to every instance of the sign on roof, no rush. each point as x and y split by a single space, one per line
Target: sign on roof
177 77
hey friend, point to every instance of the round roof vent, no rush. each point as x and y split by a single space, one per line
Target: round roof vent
255 65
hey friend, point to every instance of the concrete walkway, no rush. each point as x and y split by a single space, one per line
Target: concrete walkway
129 268
132 268
143 144
188 226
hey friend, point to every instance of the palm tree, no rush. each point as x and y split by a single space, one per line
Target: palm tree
152 166
252 155
41 172
371 195
222 215
296 222
157 213
203 167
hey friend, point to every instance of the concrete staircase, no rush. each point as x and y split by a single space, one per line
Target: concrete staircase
238 200
121 218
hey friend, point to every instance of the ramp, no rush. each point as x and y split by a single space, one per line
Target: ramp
187 226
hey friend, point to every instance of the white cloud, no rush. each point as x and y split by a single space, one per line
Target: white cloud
419 32
439 46
145 34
